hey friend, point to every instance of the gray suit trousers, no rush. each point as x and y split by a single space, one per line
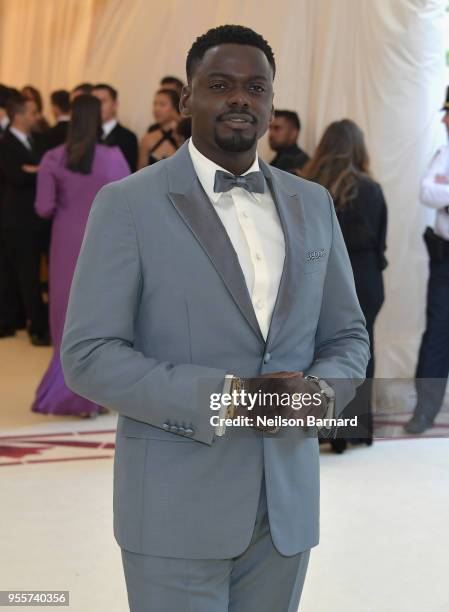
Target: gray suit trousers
258 580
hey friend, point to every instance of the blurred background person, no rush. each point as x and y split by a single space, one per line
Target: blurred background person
114 134
24 234
433 360
31 93
69 178
60 106
12 316
172 82
4 119
82 88
283 134
160 142
341 165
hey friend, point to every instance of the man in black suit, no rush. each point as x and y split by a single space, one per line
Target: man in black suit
24 234
115 134
283 135
10 317
60 104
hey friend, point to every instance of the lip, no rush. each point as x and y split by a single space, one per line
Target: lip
238 118
238 121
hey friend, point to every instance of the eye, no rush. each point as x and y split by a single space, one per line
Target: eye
257 88
217 86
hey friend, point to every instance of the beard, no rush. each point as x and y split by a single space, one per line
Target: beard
237 142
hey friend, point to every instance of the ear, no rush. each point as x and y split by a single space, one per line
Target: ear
184 102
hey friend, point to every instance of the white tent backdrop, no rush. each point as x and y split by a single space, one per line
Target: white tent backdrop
379 62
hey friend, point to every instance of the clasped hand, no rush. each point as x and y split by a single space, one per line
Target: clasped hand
269 388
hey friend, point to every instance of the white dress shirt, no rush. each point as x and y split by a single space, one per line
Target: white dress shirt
21 136
108 126
436 195
253 226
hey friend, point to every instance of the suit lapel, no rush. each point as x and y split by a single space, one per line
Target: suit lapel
291 214
29 156
111 138
196 210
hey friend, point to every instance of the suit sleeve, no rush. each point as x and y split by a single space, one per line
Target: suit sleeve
11 166
97 353
342 342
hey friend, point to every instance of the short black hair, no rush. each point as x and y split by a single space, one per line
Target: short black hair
5 94
16 104
171 80
291 116
61 99
85 88
112 91
226 34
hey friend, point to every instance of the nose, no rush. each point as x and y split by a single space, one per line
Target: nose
238 97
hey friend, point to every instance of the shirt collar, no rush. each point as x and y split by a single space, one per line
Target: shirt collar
4 122
205 169
63 118
108 127
20 136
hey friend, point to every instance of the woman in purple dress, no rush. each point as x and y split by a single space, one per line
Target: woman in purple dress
68 180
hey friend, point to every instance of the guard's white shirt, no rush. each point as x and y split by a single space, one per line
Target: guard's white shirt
436 195
253 226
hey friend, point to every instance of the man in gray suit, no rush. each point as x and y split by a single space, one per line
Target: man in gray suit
200 274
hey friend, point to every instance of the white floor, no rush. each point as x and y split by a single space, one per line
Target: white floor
384 513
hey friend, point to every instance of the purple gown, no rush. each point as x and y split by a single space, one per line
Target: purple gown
67 197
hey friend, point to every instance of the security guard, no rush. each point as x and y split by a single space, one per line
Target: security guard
433 362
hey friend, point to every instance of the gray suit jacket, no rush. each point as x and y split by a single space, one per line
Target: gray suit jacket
159 312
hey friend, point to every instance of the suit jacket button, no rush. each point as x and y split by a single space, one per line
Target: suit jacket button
267 357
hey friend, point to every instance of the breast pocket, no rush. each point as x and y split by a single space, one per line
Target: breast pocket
315 260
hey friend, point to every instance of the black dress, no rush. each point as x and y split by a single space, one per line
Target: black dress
363 222
166 135
364 226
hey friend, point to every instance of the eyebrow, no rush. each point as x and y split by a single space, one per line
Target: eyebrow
256 77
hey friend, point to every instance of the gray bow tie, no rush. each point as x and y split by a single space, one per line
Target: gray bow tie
253 182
